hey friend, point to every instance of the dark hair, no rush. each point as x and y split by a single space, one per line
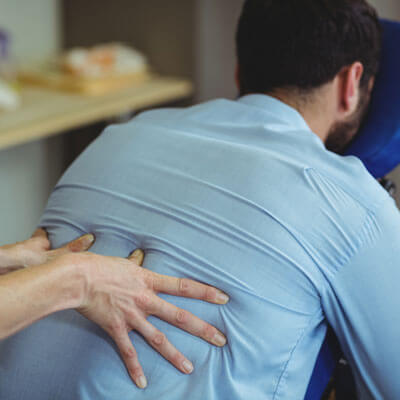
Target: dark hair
303 44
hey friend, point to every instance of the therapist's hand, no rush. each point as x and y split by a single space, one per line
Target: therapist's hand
120 295
37 251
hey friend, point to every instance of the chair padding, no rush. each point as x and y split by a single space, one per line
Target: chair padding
378 143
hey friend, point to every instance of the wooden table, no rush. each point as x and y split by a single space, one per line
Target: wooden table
45 113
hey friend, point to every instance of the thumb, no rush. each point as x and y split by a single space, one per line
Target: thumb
81 244
40 236
40 233
137 257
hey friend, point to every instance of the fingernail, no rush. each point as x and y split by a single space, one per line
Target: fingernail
138 255
222 298
219 339
88 239
187 366
142 382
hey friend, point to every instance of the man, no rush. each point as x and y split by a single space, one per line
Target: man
248 196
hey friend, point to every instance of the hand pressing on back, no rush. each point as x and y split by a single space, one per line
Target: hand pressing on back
115 293
120 295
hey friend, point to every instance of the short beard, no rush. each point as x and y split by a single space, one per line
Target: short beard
343 133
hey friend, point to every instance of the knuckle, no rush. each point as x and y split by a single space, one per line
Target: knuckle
128 353
144 301
182 317
158 340
149 279
117 327
136 371
154 282
184 286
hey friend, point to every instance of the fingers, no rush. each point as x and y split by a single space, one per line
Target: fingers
78 245
130 358
188 288
40 233
161 344
188 322
137 257
83 243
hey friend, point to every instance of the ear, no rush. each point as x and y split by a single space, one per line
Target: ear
237 76
349 88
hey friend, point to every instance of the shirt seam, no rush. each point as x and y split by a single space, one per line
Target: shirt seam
370 214
361 243
285 368
371 207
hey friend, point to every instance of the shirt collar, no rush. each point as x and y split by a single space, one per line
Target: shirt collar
280 110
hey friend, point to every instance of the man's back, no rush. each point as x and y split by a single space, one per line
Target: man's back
240 195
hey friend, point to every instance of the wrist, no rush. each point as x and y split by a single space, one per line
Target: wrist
74 280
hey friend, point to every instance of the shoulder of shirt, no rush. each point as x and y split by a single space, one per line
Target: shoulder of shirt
350 175
213 111
346 172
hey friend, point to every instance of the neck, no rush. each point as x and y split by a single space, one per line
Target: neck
312 109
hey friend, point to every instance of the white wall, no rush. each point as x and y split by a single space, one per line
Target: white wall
34 26
28 172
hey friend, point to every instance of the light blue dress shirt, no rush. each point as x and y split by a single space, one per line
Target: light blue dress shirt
241 195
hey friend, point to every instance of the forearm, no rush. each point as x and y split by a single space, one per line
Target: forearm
33 293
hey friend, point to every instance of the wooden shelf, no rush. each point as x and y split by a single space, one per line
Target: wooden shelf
46 113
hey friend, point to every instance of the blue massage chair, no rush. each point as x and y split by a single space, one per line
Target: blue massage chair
378 146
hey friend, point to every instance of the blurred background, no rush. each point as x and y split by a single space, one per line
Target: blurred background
188 47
